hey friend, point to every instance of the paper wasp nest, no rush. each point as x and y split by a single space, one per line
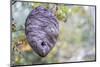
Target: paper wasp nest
41 29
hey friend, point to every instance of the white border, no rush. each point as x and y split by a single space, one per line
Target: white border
5 33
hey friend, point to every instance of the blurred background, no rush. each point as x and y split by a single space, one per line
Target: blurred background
76 41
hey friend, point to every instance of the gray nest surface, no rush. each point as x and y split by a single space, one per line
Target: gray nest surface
41 29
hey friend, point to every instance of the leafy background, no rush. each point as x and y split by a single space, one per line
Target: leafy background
76 41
